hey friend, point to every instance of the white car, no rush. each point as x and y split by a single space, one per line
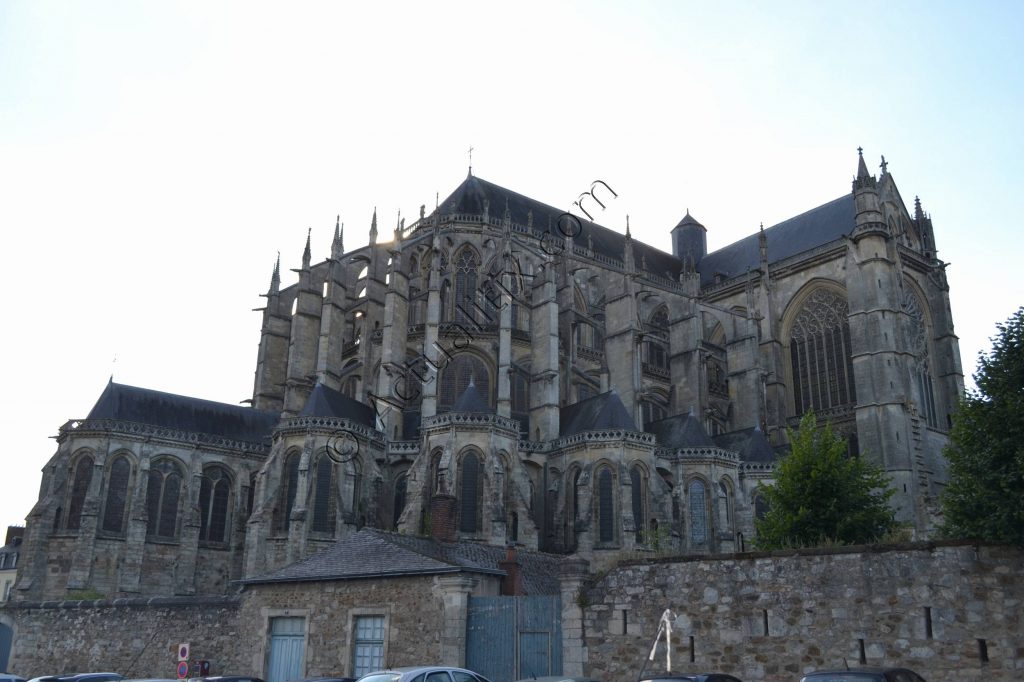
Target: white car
423 673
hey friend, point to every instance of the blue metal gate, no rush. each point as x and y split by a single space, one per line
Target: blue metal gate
284 660
510 638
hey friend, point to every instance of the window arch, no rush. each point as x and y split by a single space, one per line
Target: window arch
725 504
605 505
698 499
214 503
820 353
351 486
117 495
289 487
163 491
916 330
324 506
656 339
455 379
465 268
638 483
469 493
81 478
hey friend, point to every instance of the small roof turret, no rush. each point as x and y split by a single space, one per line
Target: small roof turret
471 400
688 221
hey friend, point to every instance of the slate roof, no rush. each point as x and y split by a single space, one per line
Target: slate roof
469 198
471 401
144 406
751 444
326 402
680 431
603 411
372 553
688 220
806 231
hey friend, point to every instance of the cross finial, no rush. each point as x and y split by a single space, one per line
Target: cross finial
860 151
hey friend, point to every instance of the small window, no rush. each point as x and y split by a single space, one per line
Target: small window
368 649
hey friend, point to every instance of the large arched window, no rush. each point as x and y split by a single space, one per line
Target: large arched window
656 340
351 486
465 266
414 306
917 334
214 502
469 493
324 506
289 487
163 490
80 479
638 481
697 493
605 506
117 495
455 379
819 350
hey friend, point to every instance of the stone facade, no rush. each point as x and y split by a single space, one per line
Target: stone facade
933 608
548 382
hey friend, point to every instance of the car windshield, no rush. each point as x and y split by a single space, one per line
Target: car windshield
844 677
381 677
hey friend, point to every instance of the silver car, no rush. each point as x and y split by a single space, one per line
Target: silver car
423 673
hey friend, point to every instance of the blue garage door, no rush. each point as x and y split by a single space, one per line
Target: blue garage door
510 638
284 660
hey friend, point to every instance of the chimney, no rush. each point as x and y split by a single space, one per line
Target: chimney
512 583
14 535
442 517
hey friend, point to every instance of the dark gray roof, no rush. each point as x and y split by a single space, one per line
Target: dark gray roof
603 411
326 402
145 406
469 198
806 231
688 220
372 553
757 449
471 401
680 431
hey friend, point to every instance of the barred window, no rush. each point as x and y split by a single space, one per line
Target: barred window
368 645
469 488
820 354
117 495
214 494
162 492
698 514
605 506
323 498
79 489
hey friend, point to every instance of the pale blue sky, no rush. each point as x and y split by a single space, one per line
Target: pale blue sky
155 156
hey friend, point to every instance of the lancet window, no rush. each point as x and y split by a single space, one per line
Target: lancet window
214 499
820 354
162 492
117 495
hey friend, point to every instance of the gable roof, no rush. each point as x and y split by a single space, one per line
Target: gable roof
156 408
372 553
680 431
326 402
806 231
469 198
603 411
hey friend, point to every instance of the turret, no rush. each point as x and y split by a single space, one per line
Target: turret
689 240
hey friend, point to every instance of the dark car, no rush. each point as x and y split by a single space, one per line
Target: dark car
863 675
328 679
225 678
688 677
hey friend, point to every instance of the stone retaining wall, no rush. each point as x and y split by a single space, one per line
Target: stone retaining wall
937 608
135 637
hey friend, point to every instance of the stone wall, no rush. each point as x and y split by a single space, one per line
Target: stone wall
135 637
937 608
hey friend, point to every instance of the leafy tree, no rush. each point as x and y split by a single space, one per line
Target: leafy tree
823 496
985 495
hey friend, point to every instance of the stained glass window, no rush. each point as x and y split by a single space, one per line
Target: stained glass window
820 353
698 513
323 497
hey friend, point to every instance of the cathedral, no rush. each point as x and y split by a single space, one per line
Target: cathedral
506 373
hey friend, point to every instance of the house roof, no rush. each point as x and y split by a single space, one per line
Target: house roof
373 553
326 402
680 431
470 195
145 406
806 231
603 411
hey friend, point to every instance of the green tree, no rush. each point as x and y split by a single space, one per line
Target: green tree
821 495
985 495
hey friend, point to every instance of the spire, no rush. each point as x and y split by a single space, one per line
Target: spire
918 211
338 245
275 278
307 254
863 179
628 235
373 227
762 242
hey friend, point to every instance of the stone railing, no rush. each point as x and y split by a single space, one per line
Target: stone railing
536 446
590 354
403 447
329 424
708 452
105 426
607 436
757 467
470 419
655 371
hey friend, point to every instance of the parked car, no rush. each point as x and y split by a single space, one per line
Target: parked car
557 678
863 675
7 677
225 678
423 673
327 679
687 677
80 677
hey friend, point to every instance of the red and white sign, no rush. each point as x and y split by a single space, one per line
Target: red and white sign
182 670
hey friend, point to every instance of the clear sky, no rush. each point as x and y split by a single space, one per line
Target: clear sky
155 156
